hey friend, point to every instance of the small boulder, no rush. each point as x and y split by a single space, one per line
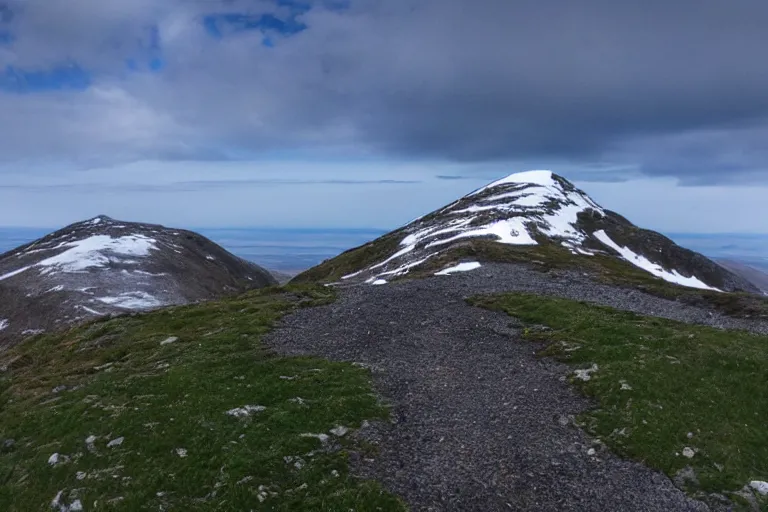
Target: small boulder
760 486
339 431
169 340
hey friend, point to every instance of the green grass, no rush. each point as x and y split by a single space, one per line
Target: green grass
121 382
677 379
352 260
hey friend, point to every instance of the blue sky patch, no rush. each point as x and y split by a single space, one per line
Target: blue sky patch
220 25
156 64
150 54
63 77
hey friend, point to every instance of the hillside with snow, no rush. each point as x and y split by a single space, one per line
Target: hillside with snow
102 266
528 210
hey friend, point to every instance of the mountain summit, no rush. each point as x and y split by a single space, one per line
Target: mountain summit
525 216
102 266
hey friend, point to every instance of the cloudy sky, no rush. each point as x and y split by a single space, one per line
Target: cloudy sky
367 113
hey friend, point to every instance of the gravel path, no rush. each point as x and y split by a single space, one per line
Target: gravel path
479 422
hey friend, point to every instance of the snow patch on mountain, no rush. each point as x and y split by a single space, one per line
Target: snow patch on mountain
644 263
132 300
4 324
538 177
461 267
94 251
507 231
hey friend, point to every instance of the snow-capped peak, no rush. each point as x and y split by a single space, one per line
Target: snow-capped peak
98 220
542 177
523 209
513 210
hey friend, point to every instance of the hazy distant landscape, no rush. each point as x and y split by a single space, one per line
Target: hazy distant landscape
751 249
292 250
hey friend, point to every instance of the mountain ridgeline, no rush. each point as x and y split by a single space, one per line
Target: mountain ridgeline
575 362
532 217
103 266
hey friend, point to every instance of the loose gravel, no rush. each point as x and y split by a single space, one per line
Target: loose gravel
479 422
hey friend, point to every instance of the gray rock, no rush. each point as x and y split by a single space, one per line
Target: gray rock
115 442
339 431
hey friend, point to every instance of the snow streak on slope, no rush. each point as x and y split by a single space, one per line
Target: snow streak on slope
644 263
132 300
13 273
461 267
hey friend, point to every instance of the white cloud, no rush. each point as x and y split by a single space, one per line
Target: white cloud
395 79
364 89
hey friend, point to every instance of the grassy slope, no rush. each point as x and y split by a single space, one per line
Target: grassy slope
683 379
121 382
352 260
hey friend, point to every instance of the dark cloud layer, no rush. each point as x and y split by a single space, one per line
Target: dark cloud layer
672 88
192 185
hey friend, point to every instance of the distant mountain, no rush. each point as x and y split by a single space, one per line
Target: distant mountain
103 266
534 216
748 272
